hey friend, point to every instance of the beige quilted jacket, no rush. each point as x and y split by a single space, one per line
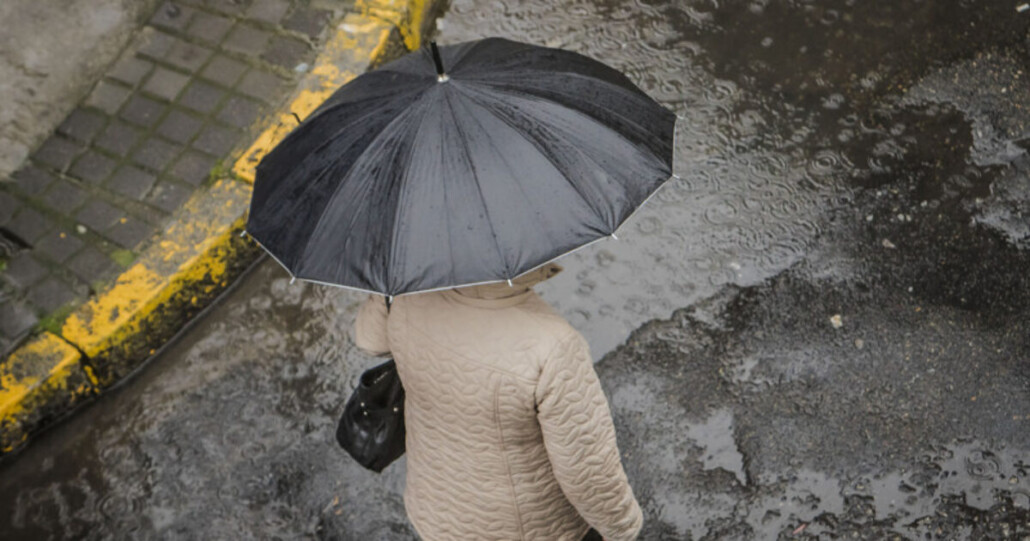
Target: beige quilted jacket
509 435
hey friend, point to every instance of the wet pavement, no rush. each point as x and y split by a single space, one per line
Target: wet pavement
822 330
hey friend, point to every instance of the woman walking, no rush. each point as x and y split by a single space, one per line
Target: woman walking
509 434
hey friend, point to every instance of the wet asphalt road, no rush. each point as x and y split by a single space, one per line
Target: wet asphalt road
821 331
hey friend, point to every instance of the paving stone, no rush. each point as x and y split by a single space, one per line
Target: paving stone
24 270
119 138
269 11
82 124
155 154
231 7
247 40
129 232
156 44
187 56
168 196
201 97
166 84
51 294
108 97
172 16
132 182
193 167
63 196
260 84
16 319
9 204
308 21
209 28
286 52
32 180
57 152
58 245
216 140
239 111
130 70
91 265
98 215
224 71
29 225
142 111
92 167
180 126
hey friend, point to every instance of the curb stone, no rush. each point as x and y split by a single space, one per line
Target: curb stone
197 255
40 381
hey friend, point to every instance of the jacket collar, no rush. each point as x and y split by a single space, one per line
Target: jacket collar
500 294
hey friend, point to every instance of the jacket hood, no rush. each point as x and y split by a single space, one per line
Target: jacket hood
519 285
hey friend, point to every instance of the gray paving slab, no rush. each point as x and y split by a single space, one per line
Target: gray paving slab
108 97
209 28
33 180
58 245
202 97
58 152
91 265
51 294
82 125
144 133
28 224
119 137
131 181
193 167
129 232
165 83
64 196
24 269
92 167
224 70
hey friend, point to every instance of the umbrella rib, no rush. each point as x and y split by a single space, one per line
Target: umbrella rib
339 185
540 148
325 171
495 84
479 187
590 119
400 197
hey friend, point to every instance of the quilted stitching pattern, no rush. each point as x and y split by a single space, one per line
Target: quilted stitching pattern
509 435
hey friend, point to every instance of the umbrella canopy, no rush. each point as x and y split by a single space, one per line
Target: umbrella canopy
490 161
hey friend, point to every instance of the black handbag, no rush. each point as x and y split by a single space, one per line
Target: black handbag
371 428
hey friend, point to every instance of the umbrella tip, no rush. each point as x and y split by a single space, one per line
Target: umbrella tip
292 279
440 75
615 236
510 284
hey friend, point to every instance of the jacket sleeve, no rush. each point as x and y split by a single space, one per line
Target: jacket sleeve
369 331
580 439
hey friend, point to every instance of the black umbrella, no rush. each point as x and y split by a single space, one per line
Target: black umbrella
411 179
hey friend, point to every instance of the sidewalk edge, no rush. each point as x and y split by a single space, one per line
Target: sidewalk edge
196 257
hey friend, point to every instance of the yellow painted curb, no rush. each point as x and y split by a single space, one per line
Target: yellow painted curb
360 42
38 382
197 255
348 53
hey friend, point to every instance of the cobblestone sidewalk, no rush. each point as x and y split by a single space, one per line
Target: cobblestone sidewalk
166 118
